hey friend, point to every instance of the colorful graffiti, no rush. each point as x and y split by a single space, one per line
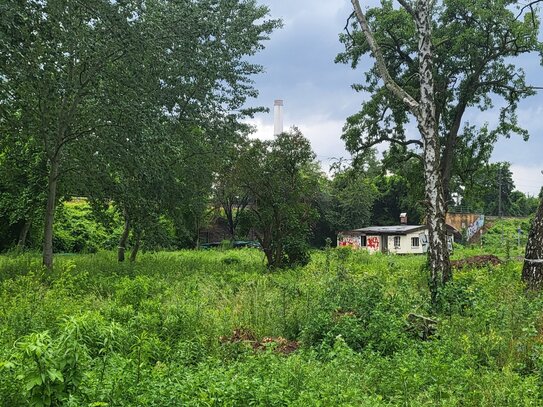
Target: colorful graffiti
373 242
475 227
349 241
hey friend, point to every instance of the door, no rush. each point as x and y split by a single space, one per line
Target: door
384 243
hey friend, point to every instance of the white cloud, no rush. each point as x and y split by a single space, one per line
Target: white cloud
263 130
528 179
323 133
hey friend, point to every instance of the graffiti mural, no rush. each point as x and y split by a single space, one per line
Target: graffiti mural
475 227
349 241
373 242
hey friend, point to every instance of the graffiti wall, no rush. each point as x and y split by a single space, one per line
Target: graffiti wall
472 229
373 243
349 241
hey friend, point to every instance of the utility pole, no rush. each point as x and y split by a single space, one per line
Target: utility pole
500 190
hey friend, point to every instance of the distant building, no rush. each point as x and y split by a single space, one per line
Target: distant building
399 239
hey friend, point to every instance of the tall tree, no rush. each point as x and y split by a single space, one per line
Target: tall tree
489 189
22 174
473 43
438 59
76 70
228 195
424 110
53 56
352 194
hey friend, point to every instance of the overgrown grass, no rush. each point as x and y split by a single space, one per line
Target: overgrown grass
155 333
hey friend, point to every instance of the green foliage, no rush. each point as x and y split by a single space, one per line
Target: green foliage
473 63
357 310
484 186
397 194
159 332
281 179
77 230
504 233
351 195
111 95
52 370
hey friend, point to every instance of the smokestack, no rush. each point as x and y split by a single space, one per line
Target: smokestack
277 117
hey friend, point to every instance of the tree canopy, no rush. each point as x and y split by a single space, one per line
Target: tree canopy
82 78
473 45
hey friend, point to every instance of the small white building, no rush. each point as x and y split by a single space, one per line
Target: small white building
400 239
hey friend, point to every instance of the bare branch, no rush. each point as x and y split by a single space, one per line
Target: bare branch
390 84
404 143
531 7
346 28
386 138
397 46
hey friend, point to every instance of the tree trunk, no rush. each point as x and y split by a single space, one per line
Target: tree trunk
52 183
136 247
21 243
532 272
424 111
228 208
265 242
124 238
438 252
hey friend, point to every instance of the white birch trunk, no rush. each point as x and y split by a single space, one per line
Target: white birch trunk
424 112
438 253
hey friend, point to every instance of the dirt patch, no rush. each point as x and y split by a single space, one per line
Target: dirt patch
278 344
477 261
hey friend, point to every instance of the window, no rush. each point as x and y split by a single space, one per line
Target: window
397 241
415 242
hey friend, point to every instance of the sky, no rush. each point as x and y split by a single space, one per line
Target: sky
299 69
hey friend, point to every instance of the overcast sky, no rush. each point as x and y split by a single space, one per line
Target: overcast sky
300 69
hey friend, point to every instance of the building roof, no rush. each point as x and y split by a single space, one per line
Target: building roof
390 230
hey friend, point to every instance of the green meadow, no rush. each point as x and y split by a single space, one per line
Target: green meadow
216 328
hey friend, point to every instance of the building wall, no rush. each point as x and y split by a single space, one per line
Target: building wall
374 243
347 240
405 244
461 221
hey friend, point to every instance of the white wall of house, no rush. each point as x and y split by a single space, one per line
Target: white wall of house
411 243
406 244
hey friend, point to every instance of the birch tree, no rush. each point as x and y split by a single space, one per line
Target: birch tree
475 46
423 109
436 60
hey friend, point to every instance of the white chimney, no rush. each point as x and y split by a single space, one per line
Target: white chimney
403 218
277 117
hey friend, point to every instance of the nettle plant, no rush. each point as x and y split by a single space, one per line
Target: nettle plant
52 369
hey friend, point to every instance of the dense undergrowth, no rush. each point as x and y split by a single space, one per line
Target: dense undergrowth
99 333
